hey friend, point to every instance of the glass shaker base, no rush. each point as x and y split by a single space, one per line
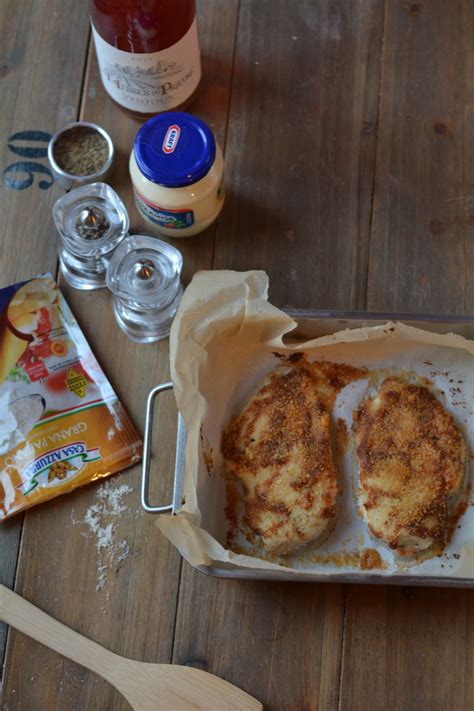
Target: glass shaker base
80 279
145 332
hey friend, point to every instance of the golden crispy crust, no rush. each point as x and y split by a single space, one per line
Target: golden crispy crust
280 449
412 460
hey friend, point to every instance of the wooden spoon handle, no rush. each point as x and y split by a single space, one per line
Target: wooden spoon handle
35 623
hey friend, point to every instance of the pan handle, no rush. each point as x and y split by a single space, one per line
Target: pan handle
167 508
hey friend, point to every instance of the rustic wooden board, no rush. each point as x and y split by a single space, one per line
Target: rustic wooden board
281 642
410 648
134 614
422 247
301 149
37 44
302 122
9 544
300 157
36 100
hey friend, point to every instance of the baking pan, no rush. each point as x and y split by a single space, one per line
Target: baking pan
310 324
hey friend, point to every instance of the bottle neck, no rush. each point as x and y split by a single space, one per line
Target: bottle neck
142 26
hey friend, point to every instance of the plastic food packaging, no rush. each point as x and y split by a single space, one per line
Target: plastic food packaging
61 424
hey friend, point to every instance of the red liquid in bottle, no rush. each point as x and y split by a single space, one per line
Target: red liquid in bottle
148 52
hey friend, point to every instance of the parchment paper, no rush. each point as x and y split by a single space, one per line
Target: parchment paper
223 342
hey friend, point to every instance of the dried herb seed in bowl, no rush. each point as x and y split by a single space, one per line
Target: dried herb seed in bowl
81 151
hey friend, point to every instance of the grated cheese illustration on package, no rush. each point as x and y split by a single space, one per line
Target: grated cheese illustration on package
61 424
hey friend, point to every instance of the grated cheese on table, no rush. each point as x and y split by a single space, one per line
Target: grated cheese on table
111 553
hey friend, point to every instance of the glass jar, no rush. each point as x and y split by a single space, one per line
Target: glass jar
148 52
177 170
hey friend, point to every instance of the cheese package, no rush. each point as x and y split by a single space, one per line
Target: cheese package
61 424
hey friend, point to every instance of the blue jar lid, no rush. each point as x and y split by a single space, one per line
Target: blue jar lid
174 149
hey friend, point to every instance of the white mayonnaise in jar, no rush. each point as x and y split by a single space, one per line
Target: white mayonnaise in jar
176 169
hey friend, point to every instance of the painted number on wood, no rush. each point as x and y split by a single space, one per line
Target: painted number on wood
21 174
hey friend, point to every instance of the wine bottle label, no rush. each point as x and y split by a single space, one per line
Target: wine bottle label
150 82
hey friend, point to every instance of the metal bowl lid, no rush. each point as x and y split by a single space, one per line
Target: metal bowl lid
175 149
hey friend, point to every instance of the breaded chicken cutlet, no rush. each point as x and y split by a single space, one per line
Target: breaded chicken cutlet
280 449
412 459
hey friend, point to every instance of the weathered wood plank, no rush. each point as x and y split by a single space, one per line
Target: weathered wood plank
35 43
42 59
9 543
134 614
281 642
422 251
301 149
300 154
407 649
411 648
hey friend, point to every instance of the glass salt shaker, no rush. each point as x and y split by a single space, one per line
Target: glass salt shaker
144 277
91 221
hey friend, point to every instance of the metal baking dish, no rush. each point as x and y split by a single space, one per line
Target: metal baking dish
310 324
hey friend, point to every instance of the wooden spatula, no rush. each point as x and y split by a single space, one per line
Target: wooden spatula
147 687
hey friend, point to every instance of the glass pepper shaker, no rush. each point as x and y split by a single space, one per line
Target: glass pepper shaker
144 277
91 222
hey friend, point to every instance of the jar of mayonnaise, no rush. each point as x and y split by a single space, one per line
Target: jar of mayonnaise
176 168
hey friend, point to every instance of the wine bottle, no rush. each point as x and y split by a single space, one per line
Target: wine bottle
148 52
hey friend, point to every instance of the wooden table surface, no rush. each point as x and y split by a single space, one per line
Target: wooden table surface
348 129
